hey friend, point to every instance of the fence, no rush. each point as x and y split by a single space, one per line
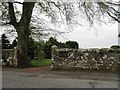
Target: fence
105 59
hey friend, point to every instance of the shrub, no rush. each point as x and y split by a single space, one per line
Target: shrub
115 47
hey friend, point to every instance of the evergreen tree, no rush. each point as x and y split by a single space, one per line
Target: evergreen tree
5 42
72 44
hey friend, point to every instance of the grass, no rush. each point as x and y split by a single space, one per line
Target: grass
40 63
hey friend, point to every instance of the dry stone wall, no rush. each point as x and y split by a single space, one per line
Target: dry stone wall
7 54
9 57
86 59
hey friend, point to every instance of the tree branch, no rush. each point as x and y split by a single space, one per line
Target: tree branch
12 15
27 12
116 19
114 10
115 4
18 3
56 6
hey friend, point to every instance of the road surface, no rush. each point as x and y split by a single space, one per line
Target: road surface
44 78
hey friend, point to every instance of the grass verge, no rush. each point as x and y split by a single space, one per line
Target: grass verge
40 63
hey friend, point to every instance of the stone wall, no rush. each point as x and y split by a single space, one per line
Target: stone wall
86 59
7 54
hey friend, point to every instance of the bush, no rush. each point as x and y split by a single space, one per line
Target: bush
115 47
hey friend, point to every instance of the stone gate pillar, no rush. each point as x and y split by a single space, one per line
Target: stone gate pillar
54 49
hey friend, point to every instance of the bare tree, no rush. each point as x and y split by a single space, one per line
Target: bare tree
22 29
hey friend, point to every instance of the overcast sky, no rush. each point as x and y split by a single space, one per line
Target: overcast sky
105 36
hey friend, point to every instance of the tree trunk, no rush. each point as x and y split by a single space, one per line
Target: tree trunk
22 27
22 48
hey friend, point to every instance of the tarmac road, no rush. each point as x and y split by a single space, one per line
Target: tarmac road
19 78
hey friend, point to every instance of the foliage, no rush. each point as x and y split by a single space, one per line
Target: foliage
115 47
39 63
72 44
38 47
47 50
53 41
62 45
5 42
46 46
